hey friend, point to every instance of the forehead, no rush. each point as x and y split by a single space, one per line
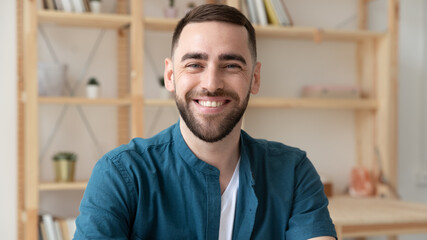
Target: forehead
213 38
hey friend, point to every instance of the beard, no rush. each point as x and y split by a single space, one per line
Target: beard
216 127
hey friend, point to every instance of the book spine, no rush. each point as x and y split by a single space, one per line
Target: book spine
49 226
252 11
66 4
271 13
260 8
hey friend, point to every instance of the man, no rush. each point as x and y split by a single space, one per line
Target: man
205 178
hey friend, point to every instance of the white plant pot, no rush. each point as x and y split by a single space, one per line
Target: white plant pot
92 91
95 6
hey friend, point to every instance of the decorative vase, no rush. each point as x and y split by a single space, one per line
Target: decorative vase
170 12
64 170
92 91
95 6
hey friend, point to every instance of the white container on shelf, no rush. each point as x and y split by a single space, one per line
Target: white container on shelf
95 6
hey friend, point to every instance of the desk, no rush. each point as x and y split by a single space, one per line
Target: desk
362 217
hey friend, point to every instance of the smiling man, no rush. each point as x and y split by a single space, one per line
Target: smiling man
205 178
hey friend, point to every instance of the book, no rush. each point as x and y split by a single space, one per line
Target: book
78 6
66 5
260 9
252 11
59 6
43 234
49 4
49 225
86 5
58 230
281 13
271 13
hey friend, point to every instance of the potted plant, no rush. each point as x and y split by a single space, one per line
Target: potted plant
171 11
64 163
95 6
92 88
190 6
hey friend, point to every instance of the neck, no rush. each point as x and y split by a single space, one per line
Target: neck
216 153
223 154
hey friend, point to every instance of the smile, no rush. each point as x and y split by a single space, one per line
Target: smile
211 104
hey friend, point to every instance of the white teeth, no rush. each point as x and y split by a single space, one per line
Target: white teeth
210 103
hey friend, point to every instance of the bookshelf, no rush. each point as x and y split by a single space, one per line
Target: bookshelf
375 111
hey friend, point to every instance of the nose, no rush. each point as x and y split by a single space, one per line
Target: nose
212 79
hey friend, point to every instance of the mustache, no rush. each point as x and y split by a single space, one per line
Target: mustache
217 93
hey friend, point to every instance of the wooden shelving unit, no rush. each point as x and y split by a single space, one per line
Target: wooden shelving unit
129 101
376 112
86 101
54 186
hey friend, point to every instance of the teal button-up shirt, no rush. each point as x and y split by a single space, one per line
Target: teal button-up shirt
157 188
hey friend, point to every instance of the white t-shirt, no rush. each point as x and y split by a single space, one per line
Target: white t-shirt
228 206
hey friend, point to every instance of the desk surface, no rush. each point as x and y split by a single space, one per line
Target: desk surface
358 217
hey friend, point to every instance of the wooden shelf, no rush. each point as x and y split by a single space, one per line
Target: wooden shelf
55 186
309 33
85 101
359 217
113 21
368 104
313 103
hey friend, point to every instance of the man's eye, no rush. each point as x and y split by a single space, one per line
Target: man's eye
232 66
194 65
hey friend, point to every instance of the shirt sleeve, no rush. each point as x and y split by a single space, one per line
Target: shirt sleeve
310 216
108 204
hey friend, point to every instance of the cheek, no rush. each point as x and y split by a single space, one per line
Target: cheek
184 82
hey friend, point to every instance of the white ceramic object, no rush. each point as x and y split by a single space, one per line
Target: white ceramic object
92 91
95 6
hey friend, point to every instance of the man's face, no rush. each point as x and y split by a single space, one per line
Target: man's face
212 74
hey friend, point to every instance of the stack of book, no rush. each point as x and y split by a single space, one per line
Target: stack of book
78 6
51 228
273 12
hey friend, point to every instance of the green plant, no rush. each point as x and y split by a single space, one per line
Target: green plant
171 3
95 0
191 5
70 156
92 81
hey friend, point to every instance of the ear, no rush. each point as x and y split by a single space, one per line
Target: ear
168 75
256 78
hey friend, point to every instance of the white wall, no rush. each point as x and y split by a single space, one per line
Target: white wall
8 130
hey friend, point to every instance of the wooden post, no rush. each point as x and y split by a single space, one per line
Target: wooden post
31 120
365 62
386 122
21 120
123 84
137 90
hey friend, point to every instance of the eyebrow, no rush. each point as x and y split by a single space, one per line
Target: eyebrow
230 56
201 56
222 57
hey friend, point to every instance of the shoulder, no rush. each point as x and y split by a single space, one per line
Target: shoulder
141 146
272 150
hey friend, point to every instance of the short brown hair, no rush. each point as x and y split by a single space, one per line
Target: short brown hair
220 13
